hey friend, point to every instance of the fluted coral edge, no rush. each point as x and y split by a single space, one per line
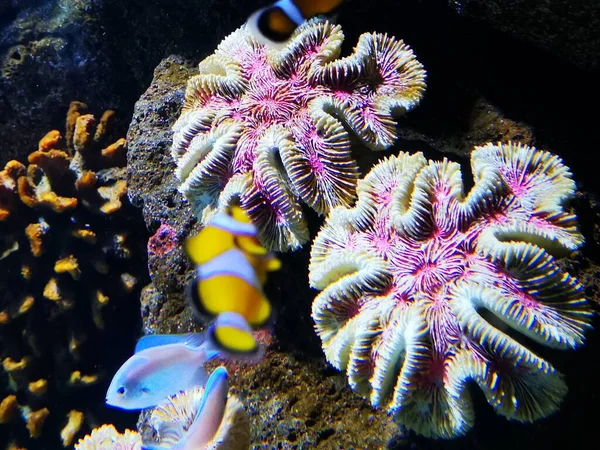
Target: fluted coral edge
268 128
426 288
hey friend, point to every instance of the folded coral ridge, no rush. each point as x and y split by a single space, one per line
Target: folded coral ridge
425 289
266 128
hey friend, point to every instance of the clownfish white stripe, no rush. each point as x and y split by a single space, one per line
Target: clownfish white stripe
292 11
229 224
232 262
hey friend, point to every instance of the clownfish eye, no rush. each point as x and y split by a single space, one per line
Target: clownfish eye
121 390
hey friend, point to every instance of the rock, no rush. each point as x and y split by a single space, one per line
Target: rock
51 52
567 28
151 179
102 52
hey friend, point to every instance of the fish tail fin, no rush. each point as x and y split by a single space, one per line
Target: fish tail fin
262 314
206 352
212 408
231 336
192 296
216 384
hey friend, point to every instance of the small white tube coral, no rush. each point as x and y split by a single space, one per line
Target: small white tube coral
107 437
172 420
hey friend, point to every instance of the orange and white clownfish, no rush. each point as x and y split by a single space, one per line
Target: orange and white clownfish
231 270
275 24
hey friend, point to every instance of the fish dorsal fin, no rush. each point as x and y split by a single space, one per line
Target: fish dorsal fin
191 340
251 245
217 377
273 264
153 446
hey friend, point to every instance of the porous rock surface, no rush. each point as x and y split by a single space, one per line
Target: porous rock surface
49 51
99 51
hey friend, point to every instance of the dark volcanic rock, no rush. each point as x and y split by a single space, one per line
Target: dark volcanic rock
568 28
51 52
153 186
101 52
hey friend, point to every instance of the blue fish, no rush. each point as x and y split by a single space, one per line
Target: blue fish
208 418
163 365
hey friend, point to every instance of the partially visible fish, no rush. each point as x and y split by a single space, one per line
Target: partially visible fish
231 269
274 25
208 418
163 365
232 337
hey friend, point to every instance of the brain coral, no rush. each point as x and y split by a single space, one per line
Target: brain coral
267 127
425 289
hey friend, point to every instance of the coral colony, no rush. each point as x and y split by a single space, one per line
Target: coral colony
107 437
65 261
425 288
267 126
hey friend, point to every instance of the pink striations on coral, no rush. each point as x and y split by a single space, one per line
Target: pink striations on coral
426 288
163 241
267 128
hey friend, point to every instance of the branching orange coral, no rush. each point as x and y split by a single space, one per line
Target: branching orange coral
65 249
8 187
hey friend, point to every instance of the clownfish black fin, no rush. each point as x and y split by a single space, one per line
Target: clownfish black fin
192 296
233 338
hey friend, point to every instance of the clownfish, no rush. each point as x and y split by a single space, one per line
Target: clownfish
276 23
231 270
